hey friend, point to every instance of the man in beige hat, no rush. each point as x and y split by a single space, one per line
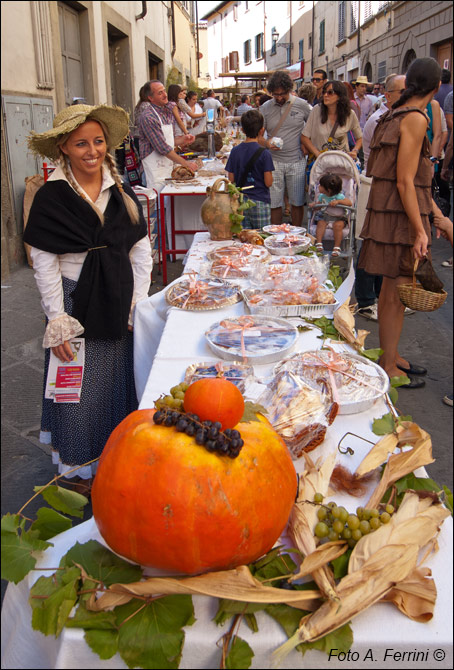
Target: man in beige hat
364 102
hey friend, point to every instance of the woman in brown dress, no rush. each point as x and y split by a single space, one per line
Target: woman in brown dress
397 229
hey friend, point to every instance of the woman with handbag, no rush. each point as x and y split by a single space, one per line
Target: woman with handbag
329 123
396 230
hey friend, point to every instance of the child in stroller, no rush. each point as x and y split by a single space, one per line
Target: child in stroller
330 193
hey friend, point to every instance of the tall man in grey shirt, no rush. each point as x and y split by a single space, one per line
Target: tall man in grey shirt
289 161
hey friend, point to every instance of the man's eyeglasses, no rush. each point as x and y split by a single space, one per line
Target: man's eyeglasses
279 95
317 79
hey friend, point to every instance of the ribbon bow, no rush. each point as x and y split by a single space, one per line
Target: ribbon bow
196 289
243 323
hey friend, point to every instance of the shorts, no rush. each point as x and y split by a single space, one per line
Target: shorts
258 216
292 176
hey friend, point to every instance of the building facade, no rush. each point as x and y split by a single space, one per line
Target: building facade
344 38
97 52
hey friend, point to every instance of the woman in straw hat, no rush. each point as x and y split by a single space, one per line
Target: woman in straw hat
92 261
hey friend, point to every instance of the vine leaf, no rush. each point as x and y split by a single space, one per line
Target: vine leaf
340 639
371 354
18 546
51 612
251 410
102 642
384 425
288 617
239 656
151 636
49 523
340 564
100 563
63 500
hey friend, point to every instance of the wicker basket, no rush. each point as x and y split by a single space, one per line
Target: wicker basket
416 297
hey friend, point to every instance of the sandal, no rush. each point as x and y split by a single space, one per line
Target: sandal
319 246
336 252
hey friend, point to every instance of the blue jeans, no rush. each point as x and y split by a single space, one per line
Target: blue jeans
367 287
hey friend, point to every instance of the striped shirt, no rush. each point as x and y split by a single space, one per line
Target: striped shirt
151 136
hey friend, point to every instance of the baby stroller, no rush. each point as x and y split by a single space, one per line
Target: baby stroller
336 162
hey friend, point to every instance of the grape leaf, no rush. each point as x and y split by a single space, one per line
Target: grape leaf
281 565
239 656
402 380
83 618
63 500
102 642
288 617
448 498
410 481
50 523
251 622
393 395
384 425
340 639
151 636
371 354
60 594
17 548
100 563
227 608
340 564
251 410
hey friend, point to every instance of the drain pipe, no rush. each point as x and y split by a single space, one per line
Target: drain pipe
143 13
174 45
313 38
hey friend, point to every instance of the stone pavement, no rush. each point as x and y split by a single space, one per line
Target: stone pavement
426 340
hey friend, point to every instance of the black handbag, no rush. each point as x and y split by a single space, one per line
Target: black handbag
442 203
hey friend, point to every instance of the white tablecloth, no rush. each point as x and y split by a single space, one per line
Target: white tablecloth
380 628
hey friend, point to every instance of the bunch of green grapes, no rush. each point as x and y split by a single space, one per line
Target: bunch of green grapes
336 523
175 399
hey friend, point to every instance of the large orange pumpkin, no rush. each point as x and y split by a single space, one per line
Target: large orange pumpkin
161 500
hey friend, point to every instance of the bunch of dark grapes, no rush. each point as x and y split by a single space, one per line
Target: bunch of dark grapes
205 433
336 523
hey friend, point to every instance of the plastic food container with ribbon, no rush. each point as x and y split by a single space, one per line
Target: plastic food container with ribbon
287 244
252 339
353 381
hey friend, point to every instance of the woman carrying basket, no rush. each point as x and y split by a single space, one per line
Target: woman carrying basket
396 230
92 262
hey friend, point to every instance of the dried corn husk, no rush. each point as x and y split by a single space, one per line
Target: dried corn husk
415 522
402 464
303 519
407 433
344 322
415 596
357 591
321 556
237 584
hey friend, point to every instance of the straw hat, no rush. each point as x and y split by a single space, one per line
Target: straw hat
362 80
116 120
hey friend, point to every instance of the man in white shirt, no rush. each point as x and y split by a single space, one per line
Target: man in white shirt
210 102
394 87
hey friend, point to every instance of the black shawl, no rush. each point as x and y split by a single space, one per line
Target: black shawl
62 222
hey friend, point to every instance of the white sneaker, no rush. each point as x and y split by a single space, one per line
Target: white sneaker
447 264
408 311
369 312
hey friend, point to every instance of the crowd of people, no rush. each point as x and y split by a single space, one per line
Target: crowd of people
90 249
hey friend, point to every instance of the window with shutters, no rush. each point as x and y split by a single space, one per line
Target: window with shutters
235 12
301 50
353 16
289 57
341 17
273 42
322 37
367 10
259 46
381 72
71 53
234 61
247 52
43 44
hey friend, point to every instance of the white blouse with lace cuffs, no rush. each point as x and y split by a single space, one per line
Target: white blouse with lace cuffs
50 268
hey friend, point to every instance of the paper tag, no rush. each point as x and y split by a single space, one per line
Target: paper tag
256 252
64 380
